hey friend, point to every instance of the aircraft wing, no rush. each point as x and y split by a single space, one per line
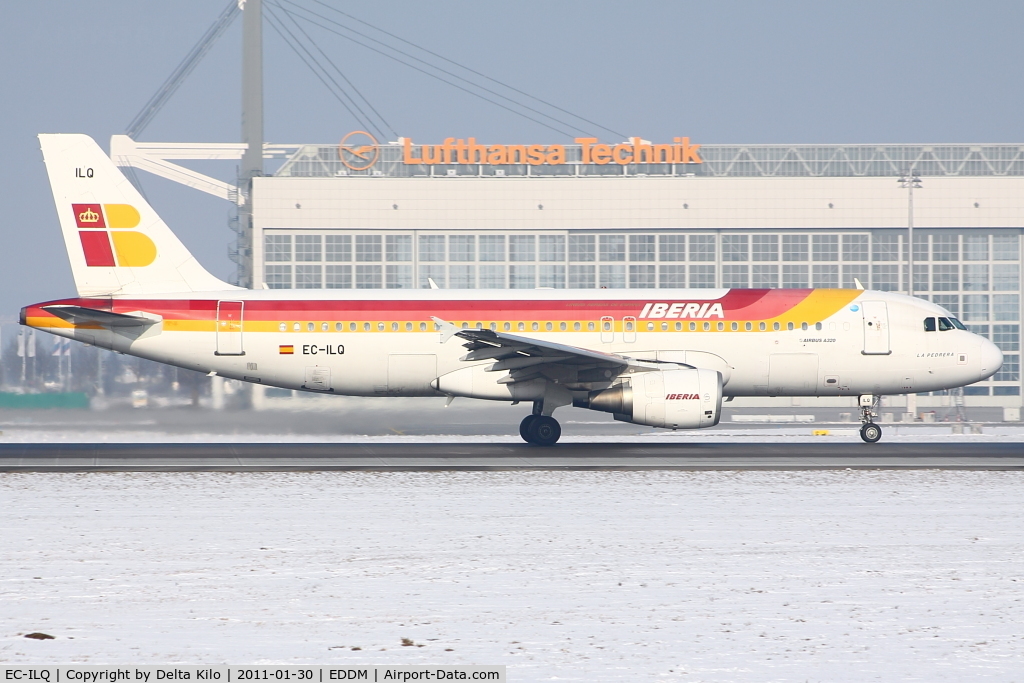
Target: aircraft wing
80 315
526 358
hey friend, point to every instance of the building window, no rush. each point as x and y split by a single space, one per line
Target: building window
552 248
612 277
734 275
1006 391
1006 277
613 247
581 277
794 277
552 276
764 277
885 247
435 273
462 247
367 249
367 277
951 302
976 307
1006 337
398 247
1005 306
981 330
975 277
307 248
701 277
398 277
491 277
672 247
825 247
278 277
522 277
921 277
492 248
794 248
825 276
581 248
886 278
338 277
462 277
309 277
672 277
432 248
1010 372
522 248
277 248
641 248
852 274
945 278
338 247
945 247
642 277
765 248
855 247
1005 247
976 247
702 248
735 248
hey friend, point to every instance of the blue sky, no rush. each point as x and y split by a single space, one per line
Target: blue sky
718 72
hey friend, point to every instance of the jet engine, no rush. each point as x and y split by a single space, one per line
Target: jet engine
688 398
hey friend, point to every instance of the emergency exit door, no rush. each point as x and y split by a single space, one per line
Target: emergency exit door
229 328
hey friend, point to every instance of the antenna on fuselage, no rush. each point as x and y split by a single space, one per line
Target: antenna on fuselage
857 283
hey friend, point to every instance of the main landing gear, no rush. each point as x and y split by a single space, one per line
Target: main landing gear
869 431
540 430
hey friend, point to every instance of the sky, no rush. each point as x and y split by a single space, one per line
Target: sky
719 72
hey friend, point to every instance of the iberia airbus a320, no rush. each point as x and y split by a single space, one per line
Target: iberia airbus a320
663 357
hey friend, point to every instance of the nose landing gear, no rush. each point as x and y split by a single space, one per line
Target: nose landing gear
869 431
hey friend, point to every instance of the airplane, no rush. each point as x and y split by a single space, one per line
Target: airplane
659 357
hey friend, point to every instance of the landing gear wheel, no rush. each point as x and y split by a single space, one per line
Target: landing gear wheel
871 432
544 431
524 427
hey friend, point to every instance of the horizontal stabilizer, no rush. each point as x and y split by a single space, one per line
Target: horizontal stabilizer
82 316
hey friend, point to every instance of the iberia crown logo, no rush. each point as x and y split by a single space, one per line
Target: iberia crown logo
107 239
359 150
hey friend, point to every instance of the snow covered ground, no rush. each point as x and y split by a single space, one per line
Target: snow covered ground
583 576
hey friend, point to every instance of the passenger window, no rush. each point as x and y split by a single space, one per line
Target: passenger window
957 324
929 324
945 325
803 326
817 326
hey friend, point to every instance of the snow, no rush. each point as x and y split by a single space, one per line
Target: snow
573 576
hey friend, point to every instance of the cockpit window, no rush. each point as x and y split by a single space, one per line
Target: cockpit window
945 325
957 324
929 324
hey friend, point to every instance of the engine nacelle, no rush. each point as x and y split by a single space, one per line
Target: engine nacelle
675 399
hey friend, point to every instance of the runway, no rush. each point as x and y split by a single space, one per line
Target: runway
370 456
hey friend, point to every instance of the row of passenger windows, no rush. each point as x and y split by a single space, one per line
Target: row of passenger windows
628 324
638 247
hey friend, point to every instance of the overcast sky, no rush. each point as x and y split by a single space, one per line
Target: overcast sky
718 72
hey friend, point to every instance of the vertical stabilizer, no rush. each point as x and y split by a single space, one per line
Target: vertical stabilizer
116 242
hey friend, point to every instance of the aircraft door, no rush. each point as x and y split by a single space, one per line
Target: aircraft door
229 328
607 329
629 329
876 328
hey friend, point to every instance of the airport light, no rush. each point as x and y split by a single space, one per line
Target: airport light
910 180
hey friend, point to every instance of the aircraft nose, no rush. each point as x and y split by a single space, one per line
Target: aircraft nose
991 358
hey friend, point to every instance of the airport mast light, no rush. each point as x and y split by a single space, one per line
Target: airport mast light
910 180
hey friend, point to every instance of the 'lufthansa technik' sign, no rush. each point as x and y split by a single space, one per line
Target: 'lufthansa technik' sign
364 152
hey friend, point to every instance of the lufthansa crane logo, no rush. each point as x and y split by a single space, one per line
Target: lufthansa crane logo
359 150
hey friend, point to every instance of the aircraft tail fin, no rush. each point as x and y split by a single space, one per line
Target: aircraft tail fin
116 242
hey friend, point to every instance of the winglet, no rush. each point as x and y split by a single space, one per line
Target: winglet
448 330
857 282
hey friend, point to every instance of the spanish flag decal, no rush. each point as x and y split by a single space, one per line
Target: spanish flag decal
286 349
